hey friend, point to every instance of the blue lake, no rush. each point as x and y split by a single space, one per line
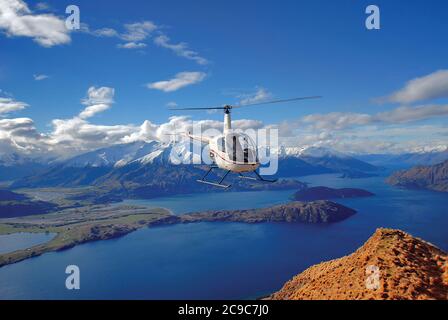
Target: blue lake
225 260
22 240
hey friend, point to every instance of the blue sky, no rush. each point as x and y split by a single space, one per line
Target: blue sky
279 49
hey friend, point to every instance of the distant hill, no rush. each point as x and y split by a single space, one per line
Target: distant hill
6 195
14 166
433 177
406 160
325 193
321 160
15 204
409 268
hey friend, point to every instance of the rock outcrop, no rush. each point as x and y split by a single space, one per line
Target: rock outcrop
423 177
390 265
304 212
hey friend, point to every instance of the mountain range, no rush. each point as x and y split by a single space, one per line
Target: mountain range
146 169
409 159
14 166
148 163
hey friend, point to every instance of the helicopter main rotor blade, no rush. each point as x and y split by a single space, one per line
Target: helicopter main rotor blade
207 108
276 101
227 107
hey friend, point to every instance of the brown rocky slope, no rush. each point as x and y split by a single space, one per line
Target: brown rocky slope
423 177
409 268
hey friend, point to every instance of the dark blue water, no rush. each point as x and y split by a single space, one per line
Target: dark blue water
225 260
215 201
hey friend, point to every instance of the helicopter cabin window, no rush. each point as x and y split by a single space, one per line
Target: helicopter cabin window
240 148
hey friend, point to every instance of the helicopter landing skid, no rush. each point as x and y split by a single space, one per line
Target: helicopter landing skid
257 178
218 184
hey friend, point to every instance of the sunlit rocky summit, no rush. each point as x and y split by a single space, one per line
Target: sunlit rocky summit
407 268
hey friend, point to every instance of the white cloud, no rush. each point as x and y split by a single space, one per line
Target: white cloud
8 105
42 6
105 32
343 120
99 95
260 95
408 114
77 135
181 49
432 86
172 104
135 34
336 120
131 45
98 100
19 135
40 77
138 31
17 20
181 80
90 111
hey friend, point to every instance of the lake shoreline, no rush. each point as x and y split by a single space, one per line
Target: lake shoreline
104 226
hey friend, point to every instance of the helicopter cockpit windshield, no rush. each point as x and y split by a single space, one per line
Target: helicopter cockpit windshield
240 148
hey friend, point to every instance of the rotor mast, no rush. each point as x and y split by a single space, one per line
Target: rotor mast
227 119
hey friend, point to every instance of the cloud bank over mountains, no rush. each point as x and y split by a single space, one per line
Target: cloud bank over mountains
75 135
348 132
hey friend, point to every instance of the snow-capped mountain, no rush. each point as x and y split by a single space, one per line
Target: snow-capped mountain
148 158
117 155
323 160
139 151
87 168
310 151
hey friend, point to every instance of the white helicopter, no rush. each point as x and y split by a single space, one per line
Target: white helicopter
233 151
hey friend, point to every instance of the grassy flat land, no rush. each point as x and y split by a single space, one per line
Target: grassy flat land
79 225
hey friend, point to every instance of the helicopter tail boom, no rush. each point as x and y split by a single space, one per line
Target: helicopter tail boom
198 138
